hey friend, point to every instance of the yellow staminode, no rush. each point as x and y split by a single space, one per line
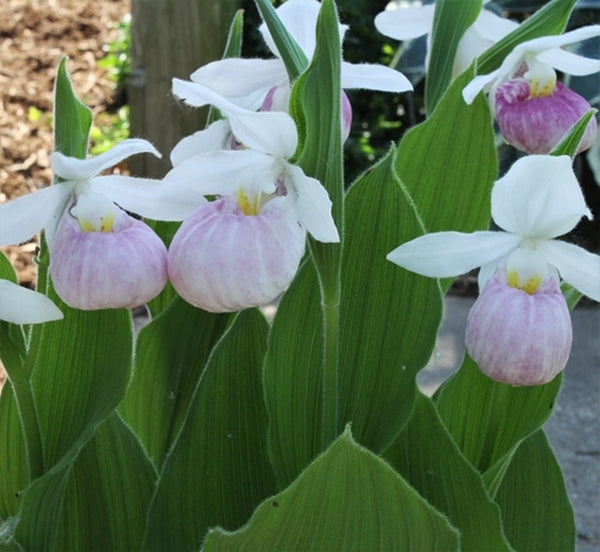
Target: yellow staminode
105 223
529 285
542 78
248 207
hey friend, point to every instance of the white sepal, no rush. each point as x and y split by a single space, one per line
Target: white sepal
20 305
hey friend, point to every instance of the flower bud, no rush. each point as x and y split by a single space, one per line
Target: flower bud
122 267
224 260
517 337
537 123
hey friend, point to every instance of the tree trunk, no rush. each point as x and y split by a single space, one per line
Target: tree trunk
170 38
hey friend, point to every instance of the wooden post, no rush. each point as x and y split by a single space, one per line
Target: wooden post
170 38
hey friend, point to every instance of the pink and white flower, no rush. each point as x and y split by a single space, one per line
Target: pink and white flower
538 200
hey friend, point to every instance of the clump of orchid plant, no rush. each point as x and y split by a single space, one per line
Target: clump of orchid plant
534 111
519 328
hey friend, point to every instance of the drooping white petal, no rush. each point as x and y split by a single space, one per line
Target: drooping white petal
222 172
22 218
20 305
270 132
405 23
444 254
213 138
299 17
153 199
543 43
568 62
245 82
576 266
373 77
313 205
71 168
539 197
469 92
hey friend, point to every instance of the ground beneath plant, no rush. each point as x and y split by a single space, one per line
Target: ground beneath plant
34 36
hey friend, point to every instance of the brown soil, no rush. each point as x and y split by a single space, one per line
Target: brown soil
34 36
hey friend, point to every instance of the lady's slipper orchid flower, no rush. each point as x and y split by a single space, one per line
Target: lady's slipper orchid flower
538 200
258 164
91 240
243 249
533 110
406 22
236 252
247 82
20 305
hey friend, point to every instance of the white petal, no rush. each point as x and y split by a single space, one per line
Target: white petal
539 197
266 131
25 216
20 305
492 26
373 77
444 254
213 138
71 168
470 91
543 43
299 17
570 63
245 82
405 23
313 205
153 199
576 266
222 172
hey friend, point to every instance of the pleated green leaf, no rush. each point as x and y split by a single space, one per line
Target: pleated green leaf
80 375
427 457
383 341
451 20
218 470
171 352
488 419
347 499
97 502
292 377
14 476
451 186
536 510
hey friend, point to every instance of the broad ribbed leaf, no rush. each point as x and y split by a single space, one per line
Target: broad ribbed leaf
171 352
97 502
451 20
347 499
430 461
218 470
14 476
292 377
536 510
383 344
81 371
488 419
449 163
